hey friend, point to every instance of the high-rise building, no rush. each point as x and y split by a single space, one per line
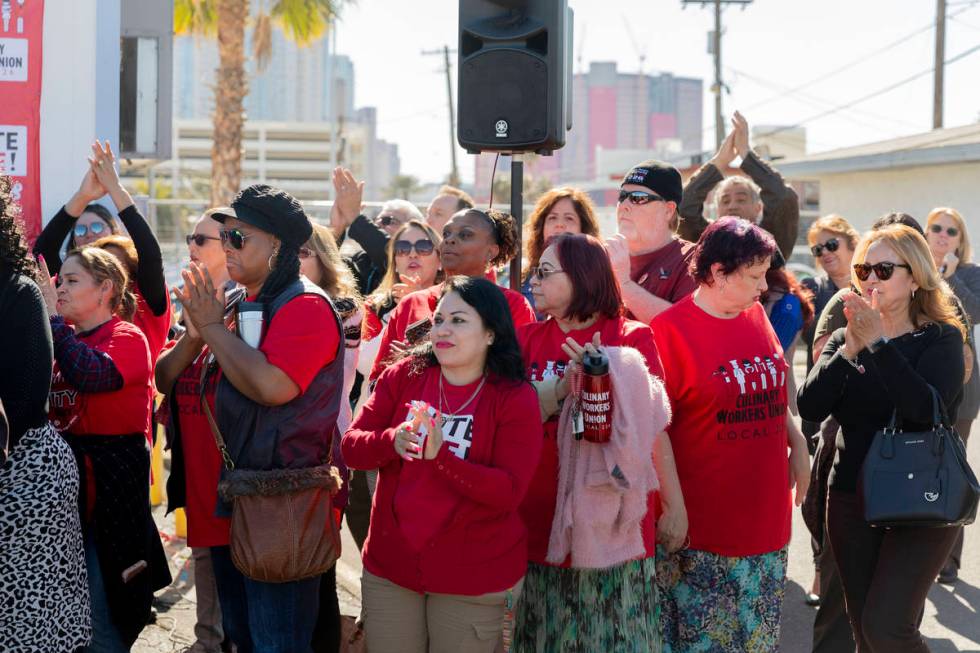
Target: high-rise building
295 88
616 117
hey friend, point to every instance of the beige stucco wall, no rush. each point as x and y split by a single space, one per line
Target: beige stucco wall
863 196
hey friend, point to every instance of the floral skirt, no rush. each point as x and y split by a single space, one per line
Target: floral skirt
716 604
586 610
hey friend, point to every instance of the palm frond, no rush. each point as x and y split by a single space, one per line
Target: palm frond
305 21
195 17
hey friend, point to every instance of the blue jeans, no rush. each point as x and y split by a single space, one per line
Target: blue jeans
265 617
105 635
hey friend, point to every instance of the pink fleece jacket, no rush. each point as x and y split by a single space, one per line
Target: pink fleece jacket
603 488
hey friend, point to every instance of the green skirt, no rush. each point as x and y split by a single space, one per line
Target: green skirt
586 610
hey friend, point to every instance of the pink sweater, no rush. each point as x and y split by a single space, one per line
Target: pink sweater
603 488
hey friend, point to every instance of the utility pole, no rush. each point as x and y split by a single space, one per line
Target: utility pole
937 89
454 171
715 48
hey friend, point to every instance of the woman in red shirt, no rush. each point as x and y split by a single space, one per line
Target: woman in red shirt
473 242
100 399
564 608
90 224
447 550
726 376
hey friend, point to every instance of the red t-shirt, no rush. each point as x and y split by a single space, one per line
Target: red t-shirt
120 412
665 272
448 525
541 344
302 338
156 328
420 305
372 324
726 379
202 460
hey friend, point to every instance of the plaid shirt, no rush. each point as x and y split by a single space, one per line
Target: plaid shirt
87 369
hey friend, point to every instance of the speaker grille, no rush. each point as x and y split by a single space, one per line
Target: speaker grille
503 99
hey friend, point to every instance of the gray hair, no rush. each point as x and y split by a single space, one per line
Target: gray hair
403 208
738 180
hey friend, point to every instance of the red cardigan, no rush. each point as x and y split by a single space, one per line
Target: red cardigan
480 545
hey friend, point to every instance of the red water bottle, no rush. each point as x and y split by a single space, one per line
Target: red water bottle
596 398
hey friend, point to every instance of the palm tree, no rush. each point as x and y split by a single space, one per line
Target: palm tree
403 186
304 21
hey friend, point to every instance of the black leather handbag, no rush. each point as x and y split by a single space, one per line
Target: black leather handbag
920 478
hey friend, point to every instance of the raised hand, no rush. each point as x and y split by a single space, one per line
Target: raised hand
103 166
348 193
48 289
726 153
741 135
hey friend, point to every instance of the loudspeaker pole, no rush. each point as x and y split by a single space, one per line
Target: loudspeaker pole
719 85
454 170
517 210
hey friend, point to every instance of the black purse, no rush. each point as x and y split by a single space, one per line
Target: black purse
920 478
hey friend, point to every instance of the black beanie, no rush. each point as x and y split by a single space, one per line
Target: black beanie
272 210
662 178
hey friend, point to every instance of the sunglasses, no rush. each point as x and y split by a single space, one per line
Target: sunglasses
96 228
199 239
883 270
388 220
305 252
541 273
234 237
952 232
423 247
638 197
831 246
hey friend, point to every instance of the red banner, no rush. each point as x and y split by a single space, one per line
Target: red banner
21 29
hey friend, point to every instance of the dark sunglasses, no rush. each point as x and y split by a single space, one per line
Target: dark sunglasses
952 232
541 273
831 246
96 228
388 220
423 247
234 237
638 197
883 270
199 239
305 252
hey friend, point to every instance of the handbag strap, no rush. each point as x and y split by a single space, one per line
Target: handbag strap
939 415
215 431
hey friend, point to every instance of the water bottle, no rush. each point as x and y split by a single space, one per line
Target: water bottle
596 397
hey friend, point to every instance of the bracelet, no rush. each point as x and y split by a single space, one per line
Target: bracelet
853 363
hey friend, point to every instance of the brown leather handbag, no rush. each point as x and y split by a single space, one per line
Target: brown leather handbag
282 523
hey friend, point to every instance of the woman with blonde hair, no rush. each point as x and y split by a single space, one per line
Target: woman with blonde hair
560 210
902 337
949 243
320 262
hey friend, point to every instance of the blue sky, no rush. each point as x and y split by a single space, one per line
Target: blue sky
770 47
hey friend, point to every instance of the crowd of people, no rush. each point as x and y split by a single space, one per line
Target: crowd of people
371 371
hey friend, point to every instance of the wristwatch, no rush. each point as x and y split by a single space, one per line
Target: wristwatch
877 344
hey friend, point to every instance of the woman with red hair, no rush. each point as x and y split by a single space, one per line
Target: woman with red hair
566 606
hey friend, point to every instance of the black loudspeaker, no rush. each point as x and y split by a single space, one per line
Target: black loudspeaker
515 72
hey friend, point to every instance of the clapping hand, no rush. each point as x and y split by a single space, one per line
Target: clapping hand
102 164
203 304
740 135
347 198
864 324
726 153
48 289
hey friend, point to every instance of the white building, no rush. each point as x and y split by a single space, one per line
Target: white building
913 174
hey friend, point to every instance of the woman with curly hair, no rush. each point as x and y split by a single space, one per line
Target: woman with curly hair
456 432
559 211
42 563
473 241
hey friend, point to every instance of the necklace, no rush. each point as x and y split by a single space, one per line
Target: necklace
442 397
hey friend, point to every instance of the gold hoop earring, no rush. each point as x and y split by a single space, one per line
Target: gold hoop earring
272 261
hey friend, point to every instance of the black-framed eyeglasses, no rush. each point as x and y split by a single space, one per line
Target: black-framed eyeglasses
883 270
199 239
423 247
952 232
97 228
305 252
388 220
541 273
639 197
831 246
234 237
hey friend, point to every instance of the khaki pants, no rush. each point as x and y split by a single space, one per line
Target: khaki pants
398 620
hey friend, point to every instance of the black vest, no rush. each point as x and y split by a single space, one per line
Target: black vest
296 434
